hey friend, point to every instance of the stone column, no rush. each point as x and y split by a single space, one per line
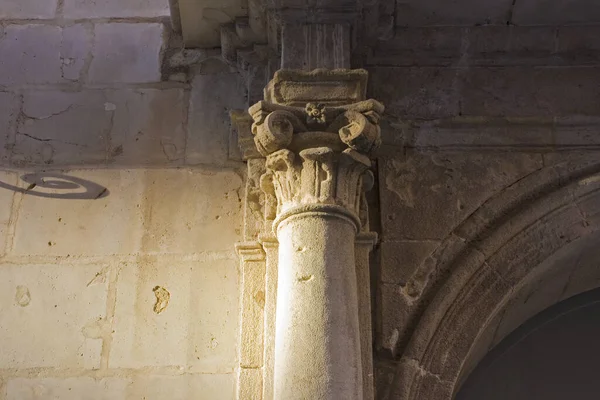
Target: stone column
317 169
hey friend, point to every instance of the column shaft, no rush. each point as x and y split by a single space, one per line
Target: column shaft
317 343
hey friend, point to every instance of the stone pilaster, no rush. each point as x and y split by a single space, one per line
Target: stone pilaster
316 132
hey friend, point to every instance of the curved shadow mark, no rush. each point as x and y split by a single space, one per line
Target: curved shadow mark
56 181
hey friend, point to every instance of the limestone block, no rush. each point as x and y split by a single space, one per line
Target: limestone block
393 319
252 316
30 54
6 202
62 128
520 41
578 44
98 223
147 387
411 45
45 312
66 389
183 387
191 211
27 9
483 131
126 52
527 12
426 195
531 92
400 259
148 127
9 110
213 96
42 54
172 312
115 8
432 12
125 127
76 45
423 92
250 384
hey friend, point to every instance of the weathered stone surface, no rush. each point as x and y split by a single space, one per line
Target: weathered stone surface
477 132
124 127
399 259
416 45
197 327
99 223
212 97
45 312
250 384
536 12
30 54
441 92
577 39
43 54
115 9
9 109
252 315
63 128
394 314
464 48
148 126
183 387
6 202
416 92
433 12
66 388
510 41
148 387
426 195
191 211
531 92
126 52
27 9
76 46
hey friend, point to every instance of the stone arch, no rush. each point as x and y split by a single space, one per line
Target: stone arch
482 265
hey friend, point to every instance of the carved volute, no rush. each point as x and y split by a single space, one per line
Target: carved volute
317 153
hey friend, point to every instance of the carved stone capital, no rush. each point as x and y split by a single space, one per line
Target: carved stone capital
317 153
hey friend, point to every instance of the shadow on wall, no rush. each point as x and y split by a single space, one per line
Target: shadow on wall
58 186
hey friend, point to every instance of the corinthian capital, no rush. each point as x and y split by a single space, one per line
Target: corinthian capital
317 131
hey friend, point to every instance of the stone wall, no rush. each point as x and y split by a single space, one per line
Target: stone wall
121 191
120 202
483 126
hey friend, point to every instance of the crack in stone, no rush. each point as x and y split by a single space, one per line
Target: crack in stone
69 108
50 140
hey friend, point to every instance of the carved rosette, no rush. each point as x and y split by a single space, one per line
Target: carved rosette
316 154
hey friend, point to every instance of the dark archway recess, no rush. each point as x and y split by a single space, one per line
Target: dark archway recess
553 356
